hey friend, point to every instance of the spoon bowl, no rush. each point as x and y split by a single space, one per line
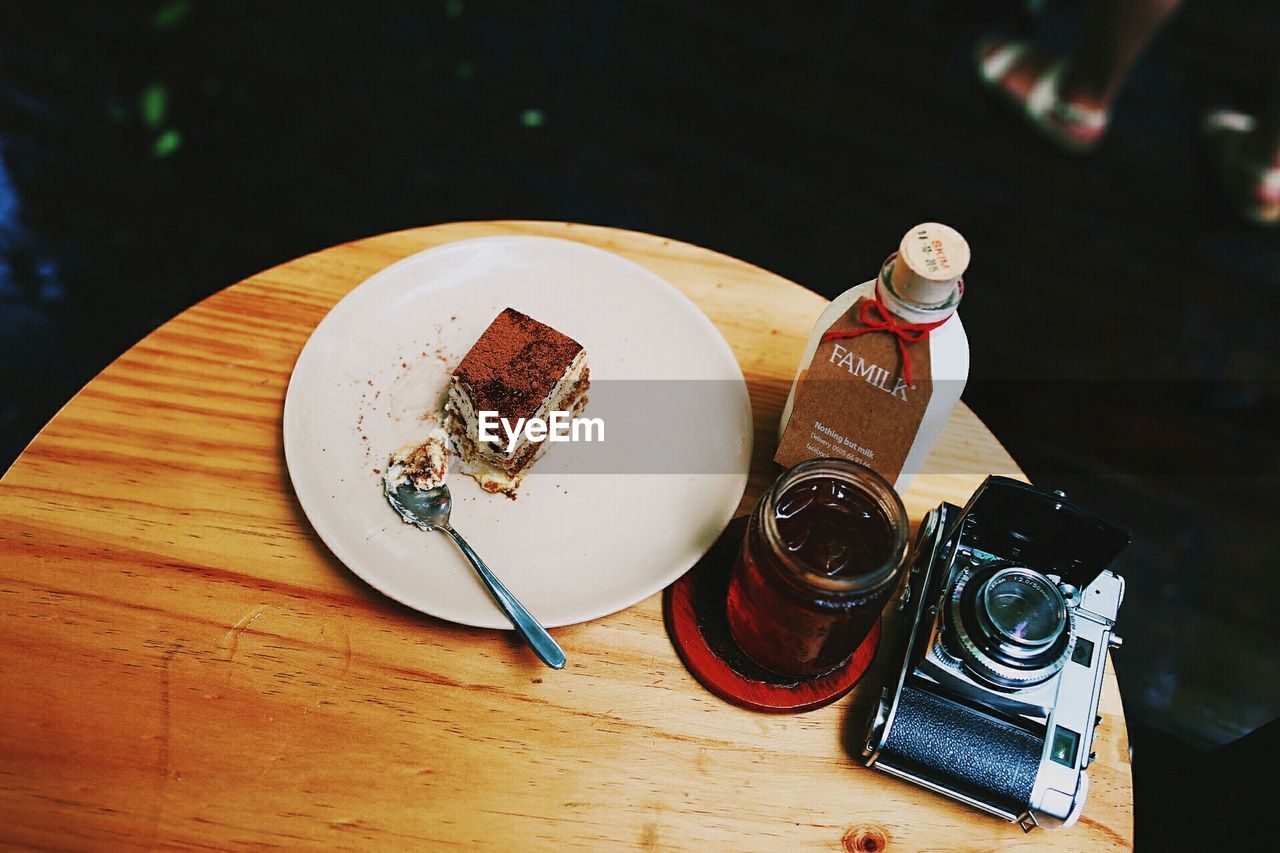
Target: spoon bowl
426 509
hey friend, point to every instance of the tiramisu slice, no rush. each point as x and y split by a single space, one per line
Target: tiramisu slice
520 369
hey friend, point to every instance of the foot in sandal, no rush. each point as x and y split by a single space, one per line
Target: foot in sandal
1250 175
1032 83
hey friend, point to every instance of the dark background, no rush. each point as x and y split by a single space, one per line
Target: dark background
1122 321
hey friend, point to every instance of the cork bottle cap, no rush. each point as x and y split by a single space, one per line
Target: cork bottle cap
931 259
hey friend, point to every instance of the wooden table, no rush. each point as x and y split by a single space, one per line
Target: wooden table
186 664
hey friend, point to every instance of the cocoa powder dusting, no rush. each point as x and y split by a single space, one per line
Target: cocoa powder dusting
515 364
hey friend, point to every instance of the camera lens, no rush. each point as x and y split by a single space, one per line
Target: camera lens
1024 608
1010 625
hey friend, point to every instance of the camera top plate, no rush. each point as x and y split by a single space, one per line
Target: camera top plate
1014 521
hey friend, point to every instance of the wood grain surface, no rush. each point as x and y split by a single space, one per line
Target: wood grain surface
185 663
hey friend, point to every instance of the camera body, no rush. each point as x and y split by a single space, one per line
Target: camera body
1008 611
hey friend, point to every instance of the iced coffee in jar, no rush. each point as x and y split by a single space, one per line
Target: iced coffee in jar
822 553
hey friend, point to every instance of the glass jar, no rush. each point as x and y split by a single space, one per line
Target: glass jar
822 552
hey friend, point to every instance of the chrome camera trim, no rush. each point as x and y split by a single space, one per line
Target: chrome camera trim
1060 709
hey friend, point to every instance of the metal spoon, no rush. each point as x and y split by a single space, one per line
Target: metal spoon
429 510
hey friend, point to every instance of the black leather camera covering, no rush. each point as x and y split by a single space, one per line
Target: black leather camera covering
964 750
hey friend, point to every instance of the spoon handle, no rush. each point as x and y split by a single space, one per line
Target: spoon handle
534 634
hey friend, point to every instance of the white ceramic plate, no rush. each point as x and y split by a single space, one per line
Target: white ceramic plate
572 547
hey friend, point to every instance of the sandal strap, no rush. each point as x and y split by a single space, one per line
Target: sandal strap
1001 61
1044 100
1229 120
1232 125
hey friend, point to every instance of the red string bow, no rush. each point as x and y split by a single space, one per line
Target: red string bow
876 318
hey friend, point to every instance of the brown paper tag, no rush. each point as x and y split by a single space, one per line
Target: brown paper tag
851 401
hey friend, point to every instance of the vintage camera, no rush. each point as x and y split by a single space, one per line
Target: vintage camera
1008 613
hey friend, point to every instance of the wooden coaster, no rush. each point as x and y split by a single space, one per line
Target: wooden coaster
694 608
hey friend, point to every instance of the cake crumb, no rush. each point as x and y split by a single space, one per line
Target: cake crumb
425 465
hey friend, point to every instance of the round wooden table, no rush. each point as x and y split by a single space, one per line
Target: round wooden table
185 663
